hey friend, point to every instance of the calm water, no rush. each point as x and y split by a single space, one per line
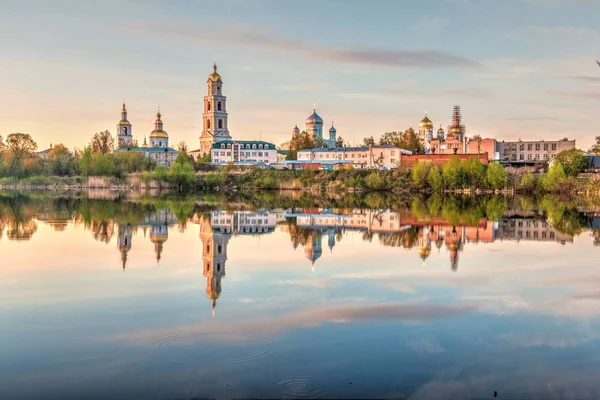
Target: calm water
298 297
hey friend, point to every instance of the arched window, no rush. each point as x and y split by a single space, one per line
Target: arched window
222 145
219 249
219 106
247 146
228 145
254 146
160 144
220 124
218 89
219 267
208 106
260 146
208 267
208 124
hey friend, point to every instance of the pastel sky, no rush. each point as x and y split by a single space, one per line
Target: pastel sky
518 68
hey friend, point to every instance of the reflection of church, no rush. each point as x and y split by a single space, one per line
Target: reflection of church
215 233
214 256
157 223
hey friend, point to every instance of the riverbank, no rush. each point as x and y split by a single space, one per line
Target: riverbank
344 181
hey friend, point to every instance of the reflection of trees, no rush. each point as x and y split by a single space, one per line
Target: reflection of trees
564 217
596 237
406 239
102 231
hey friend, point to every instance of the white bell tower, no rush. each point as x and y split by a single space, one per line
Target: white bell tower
214 118
124 135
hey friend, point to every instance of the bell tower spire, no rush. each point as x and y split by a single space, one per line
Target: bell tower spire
214 117
124 134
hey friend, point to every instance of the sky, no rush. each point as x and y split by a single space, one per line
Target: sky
518 68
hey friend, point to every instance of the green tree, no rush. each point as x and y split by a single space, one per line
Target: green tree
573 161
339 142
60 161
102 142
434 178
596 146
528 183
19 146
496 176
452 173
419 174
554 178
85 161
474 173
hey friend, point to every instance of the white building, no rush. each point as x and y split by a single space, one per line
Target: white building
361 157
243 152
243 222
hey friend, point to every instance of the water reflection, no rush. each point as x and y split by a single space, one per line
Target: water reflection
382 293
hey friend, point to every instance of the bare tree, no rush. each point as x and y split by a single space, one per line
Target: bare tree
20 146
102 142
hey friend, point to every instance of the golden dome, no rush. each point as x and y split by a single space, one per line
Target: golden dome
424 252
124 122
158 133
213 294
158 238
426 122
441 130
455 130
214 76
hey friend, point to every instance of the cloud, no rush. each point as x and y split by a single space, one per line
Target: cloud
259 38
531 119
564 32
587 79
576 95
312 317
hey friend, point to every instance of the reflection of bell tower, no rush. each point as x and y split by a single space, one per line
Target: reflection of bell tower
453 242
124 243
424 244
214 257
313 248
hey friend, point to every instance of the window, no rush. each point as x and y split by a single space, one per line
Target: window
228 145
160 144
545 156
208 106
529 146
260 153
218 90
551 235
247 146
537 156
220 124
529 156
219 249
254 146
228 153
208 267
543 235
219 106
521 157
393 161
253 154
553 146
521 147
222 145
208 124
260 146
537 146
218 267
545 146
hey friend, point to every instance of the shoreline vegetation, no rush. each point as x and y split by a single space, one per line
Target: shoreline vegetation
97 166
454 177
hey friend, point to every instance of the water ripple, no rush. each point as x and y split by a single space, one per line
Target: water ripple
302 387
214 347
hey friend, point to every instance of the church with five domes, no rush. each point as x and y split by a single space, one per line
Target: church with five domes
314 126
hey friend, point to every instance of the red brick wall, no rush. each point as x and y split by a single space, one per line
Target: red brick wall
409 161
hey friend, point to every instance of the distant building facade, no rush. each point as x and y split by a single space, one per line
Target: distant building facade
532 151
243 151
409 161
361 157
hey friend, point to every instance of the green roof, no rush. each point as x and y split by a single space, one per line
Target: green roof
147 149
266 145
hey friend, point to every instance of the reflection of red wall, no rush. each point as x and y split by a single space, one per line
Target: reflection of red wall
409 161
